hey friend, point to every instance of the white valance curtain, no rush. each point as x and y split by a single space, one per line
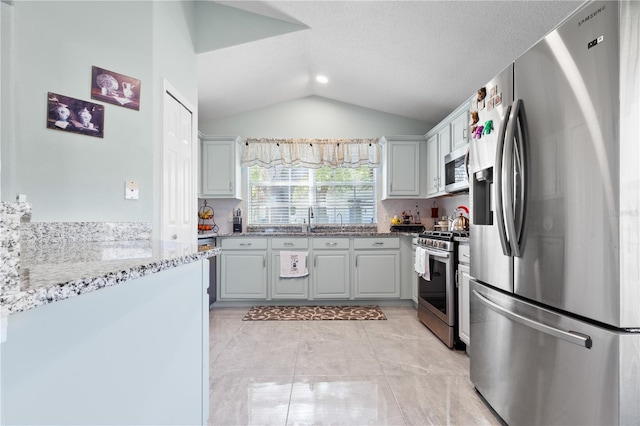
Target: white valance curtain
311 153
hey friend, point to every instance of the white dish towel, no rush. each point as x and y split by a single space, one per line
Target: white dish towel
421 263
293 264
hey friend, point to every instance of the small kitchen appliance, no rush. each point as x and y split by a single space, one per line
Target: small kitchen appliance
237 221
456 170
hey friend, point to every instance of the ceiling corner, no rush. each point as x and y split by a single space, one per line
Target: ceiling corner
219 26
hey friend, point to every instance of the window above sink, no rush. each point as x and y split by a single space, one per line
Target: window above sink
282 195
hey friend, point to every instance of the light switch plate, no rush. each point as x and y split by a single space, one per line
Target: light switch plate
131 190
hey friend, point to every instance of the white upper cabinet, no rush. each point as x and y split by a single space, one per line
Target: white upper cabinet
450 134
402 176
460 130
439 145
220 167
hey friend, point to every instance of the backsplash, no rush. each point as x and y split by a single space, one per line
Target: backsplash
223 209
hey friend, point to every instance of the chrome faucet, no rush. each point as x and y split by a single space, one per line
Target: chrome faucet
309 217
341 225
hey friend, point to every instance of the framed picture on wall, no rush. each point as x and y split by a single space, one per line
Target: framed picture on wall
75 115
114 88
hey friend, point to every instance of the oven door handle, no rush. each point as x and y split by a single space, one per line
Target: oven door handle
442 254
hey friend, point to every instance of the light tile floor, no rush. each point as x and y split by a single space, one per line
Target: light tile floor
393 372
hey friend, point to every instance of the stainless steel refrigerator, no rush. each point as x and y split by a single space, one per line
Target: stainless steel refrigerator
555 226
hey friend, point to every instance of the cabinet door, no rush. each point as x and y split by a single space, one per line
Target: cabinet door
243 275
433 168
444 147
377 274
459 130
287 288
404 169
331 274
464 326
220 171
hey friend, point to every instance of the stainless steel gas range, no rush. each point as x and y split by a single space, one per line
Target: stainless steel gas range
437 298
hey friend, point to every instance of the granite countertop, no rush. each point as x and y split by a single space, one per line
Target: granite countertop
319 231
57 271
463 240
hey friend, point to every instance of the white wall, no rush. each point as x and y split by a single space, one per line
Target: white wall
314 117
6 112
70 177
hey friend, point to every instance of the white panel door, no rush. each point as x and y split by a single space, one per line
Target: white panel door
178 189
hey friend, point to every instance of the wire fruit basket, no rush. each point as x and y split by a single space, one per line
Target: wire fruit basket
206 219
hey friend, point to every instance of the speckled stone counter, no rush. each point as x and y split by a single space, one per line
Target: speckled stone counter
51 272
12 215
57 232
319 231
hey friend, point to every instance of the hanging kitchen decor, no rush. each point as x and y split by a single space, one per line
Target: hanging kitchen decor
115 88
75 115
206 219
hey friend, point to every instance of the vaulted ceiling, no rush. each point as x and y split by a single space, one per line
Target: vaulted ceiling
418 59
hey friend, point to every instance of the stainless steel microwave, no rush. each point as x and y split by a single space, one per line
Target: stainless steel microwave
456 170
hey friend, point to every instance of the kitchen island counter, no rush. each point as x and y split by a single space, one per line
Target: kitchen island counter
57 271
134 352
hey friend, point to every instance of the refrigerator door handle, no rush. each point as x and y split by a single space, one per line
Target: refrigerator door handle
512 145
522 162
498 182
466 162
569 336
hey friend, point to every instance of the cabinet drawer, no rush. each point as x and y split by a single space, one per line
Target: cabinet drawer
330 243
289 243
244 243
376 243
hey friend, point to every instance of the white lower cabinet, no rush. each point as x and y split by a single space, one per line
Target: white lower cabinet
243 268
464 297
340 268
377 268
464 326
288 288
331 265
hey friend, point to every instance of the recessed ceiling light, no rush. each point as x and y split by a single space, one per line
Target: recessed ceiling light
322 79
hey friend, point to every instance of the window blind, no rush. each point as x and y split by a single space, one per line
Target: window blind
282 195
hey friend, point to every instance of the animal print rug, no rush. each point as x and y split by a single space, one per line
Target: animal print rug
313 313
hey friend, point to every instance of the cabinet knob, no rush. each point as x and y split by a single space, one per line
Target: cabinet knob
174 237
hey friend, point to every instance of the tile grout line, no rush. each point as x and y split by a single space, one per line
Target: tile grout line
293 376
386 378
